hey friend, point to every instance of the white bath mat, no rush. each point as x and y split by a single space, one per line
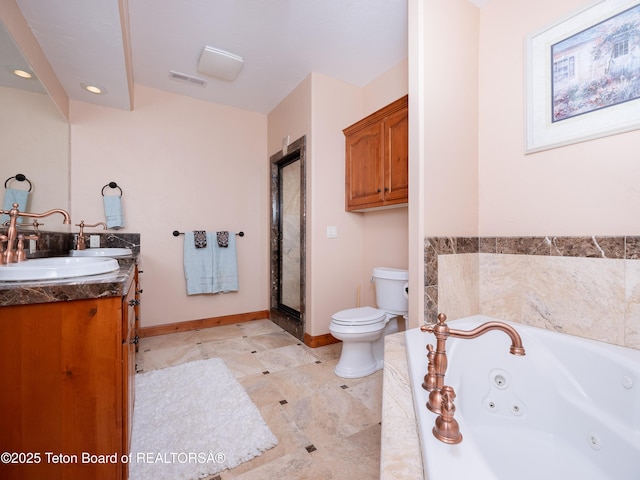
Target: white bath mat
193 420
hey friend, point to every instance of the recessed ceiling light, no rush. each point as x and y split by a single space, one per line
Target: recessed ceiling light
22 72
93 88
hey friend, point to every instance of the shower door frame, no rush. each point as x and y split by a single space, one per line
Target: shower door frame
289 319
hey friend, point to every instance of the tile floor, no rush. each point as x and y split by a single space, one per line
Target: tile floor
327 427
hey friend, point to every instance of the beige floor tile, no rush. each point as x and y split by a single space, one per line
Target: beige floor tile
166 357
277 359
171 340
327 427
259 327
220 348
222 332
240 364
273 340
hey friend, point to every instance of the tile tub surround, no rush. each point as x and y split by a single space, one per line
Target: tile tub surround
400 452
585 286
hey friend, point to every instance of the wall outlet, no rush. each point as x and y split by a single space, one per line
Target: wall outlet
332 232
94 241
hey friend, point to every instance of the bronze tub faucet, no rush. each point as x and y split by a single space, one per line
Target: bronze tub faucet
441 396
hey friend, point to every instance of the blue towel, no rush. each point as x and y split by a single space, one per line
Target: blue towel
113 211
11 196
210 269
225 266
198 265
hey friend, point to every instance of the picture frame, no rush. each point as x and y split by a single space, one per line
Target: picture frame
583 76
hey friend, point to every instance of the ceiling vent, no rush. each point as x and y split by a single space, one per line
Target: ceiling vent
183 77
220 64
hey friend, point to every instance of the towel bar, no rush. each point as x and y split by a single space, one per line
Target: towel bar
176 233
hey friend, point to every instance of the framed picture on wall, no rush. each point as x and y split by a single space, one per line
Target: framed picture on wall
583 76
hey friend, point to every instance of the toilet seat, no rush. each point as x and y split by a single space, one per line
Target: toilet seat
359 316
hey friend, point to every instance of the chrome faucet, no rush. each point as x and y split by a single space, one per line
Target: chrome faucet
81 244
440 395
14 253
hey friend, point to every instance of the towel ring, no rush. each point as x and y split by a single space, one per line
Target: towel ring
21 178
112 185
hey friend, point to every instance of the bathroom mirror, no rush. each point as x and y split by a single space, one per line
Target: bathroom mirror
288 238
34 137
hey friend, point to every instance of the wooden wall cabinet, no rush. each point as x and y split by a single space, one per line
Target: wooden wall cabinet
67 386
377 159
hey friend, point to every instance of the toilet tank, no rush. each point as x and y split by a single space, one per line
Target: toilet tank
391 293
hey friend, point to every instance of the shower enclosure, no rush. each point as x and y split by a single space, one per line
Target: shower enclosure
288 194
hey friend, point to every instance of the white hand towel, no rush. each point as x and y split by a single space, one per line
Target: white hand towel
11 196
113 211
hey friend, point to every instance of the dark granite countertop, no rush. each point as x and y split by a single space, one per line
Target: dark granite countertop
113 284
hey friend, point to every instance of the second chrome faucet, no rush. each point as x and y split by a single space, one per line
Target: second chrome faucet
441 396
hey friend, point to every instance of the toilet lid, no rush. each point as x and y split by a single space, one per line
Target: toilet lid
359 316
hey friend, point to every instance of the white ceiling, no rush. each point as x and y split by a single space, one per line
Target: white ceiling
281 42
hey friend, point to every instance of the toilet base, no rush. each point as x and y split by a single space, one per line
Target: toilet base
357 360
363 353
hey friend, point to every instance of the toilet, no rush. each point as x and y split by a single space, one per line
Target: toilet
362 330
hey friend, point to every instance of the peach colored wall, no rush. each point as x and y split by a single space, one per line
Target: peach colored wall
336 271
387 88
184 164
450 93
443 129
291 117
336 263
35 142
314 105
17 26
589 188
385 232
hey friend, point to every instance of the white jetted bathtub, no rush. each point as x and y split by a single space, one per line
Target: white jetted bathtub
568 409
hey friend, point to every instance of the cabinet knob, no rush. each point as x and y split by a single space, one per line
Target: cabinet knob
135 340
379 190
133 303
386 189
139 291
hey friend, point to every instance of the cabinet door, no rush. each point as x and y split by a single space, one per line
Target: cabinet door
61 387
396 158
364 171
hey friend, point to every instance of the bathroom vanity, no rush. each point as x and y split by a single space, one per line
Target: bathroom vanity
68 366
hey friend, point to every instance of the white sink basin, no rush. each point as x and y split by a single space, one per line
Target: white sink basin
56 267
101 252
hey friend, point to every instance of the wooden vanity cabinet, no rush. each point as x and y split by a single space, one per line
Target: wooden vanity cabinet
377 159
67 387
